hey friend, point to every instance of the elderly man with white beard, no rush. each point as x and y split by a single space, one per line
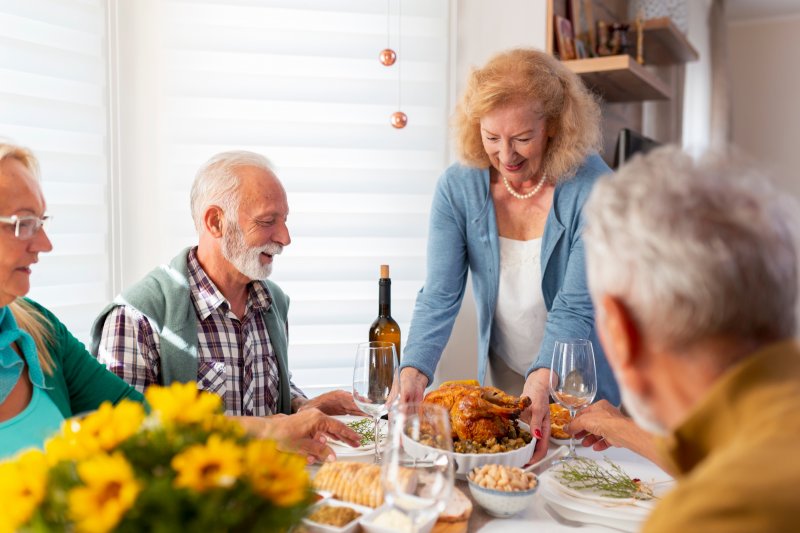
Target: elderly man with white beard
211 316
692 266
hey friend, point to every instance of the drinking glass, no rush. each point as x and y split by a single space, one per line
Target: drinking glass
417 474
573 378
374 372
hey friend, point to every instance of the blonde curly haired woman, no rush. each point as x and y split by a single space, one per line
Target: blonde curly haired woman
509 213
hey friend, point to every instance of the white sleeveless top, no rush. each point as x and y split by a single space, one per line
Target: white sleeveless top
520 313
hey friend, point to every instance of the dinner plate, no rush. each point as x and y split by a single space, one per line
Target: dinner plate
345 450
563 442
590 507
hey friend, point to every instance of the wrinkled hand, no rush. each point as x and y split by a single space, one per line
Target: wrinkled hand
336 402
306 432
412 386
538 414
601 425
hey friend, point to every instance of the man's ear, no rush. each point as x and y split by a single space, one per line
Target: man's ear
213 220
622 339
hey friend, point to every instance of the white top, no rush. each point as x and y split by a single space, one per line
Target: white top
520 314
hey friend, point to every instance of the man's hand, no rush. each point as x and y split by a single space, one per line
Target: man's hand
538 414
307 432
336 402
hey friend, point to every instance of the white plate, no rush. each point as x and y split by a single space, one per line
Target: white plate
623 513
369 526
563 442
345 450
465 462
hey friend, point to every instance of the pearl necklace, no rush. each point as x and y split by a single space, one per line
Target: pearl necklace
528 194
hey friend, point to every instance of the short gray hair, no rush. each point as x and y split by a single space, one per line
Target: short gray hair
694 248
216 182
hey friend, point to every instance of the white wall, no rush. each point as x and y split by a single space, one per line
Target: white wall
482 28
765 84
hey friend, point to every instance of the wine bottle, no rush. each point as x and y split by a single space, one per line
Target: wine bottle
384 328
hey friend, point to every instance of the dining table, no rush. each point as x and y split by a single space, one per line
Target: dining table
540 516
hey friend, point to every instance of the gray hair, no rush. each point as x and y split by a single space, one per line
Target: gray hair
216 182
694 248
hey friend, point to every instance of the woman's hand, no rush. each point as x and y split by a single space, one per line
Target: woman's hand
412 386
336 402
538 415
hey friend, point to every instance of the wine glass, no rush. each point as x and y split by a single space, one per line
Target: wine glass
417 474
573 379
373 374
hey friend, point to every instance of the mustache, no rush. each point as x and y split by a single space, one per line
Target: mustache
269 249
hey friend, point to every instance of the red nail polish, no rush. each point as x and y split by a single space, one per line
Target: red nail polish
537 433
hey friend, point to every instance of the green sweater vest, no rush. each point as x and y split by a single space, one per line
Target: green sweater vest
163 297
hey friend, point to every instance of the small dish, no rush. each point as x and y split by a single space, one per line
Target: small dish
400 522
502 503
563 442
350 527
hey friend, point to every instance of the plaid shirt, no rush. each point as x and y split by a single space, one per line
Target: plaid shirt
235 357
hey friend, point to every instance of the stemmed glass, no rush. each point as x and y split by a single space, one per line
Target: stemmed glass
573 379
373 374
417 477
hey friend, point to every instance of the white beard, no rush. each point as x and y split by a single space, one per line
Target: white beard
247 260
641 413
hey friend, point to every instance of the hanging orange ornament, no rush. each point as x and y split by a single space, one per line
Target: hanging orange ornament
388 57
399 120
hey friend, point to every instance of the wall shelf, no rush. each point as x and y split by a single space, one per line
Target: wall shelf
620 79
664 43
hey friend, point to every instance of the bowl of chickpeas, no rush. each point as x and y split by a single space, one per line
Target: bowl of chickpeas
502 491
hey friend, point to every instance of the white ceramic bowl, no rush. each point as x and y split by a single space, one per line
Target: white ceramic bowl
352 526
369 526
501 503
465 462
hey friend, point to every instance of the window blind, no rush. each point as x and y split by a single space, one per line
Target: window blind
53 100
300 82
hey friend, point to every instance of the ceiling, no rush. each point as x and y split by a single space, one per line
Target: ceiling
749 9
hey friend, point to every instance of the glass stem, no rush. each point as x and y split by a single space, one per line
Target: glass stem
376 420
571 438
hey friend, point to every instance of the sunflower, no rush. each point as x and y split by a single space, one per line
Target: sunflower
277 476
109 489
100 431
182 403
22 487
218 463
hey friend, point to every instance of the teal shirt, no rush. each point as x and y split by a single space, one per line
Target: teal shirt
32 427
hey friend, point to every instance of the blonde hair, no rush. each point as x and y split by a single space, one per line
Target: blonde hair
525 75
28 318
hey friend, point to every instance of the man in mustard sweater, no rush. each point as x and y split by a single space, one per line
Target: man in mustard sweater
693 270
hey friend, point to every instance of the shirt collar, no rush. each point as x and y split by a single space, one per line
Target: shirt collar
207 298
732 405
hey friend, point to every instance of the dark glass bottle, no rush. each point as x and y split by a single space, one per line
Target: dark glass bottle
384 328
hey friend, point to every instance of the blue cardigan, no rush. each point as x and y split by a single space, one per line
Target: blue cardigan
463 235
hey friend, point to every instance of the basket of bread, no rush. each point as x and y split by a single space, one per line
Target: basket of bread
358 486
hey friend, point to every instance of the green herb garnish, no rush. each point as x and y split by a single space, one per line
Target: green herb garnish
364 427
613 482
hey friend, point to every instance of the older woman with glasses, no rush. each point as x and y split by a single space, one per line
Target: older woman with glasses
46 374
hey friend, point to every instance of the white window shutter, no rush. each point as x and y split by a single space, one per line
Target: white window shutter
300 82
53 74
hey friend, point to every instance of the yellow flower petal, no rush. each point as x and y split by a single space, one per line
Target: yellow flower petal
277 476
109 489
182 403
218 463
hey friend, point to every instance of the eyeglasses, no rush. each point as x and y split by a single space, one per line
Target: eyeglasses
26 227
